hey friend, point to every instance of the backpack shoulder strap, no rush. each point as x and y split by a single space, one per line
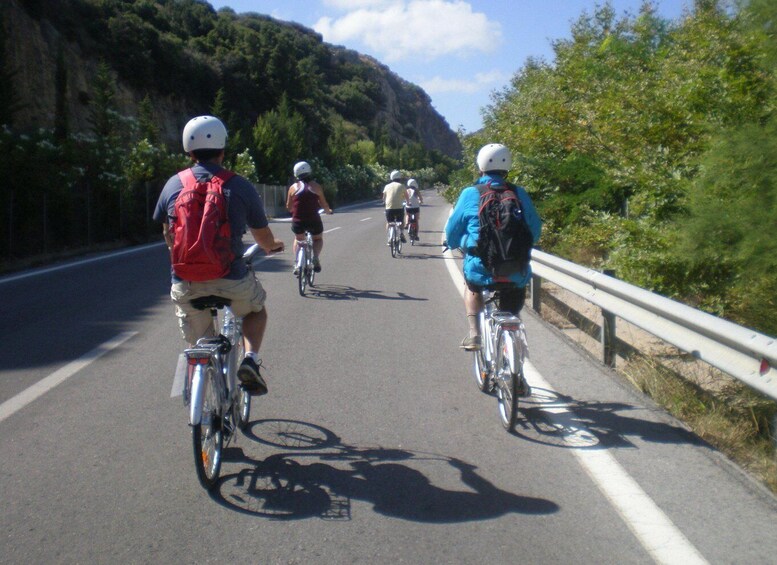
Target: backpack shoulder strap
223 175
187 177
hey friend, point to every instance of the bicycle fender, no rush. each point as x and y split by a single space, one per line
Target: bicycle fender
195 408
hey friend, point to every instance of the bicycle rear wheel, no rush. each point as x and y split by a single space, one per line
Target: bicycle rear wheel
207 437
302 266
508 379
393 241
310 272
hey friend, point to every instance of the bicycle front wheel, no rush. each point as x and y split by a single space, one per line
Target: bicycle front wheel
393 241
508 378
480 370
243 408
207 436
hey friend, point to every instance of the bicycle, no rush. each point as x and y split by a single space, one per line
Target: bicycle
218 404
305 266
498 365
412 227
394 239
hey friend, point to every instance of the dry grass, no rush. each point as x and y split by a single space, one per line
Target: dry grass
719 409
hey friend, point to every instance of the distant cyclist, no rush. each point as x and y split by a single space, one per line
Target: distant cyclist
413 204
394 196
494 161
304 199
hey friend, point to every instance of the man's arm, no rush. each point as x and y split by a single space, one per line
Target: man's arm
168 235
266 240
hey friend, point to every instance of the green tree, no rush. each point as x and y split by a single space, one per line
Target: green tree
279 138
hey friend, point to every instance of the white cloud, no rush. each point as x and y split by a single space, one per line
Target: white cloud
399 29
481 81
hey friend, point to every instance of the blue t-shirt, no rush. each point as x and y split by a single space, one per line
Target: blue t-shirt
244 209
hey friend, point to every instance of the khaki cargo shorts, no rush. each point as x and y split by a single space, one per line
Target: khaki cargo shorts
247 296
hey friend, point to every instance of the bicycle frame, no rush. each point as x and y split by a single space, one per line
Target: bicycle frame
395 243
212 367
498 366
223 352
304 262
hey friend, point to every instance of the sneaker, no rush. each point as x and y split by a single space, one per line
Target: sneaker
402 238
295 272
471 343
316 265
250 379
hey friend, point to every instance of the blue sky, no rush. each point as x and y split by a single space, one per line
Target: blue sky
458 51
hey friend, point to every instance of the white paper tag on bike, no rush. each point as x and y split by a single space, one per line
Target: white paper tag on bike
180 377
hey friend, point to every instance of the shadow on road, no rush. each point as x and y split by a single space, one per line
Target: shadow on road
342 292
555 419
319 476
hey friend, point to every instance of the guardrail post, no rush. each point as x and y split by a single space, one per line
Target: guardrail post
536 289
608 332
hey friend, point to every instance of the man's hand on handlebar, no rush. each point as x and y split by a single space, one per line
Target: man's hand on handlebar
277 247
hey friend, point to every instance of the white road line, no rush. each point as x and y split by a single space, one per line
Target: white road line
365 219
16 403
77 263
655 531
333 229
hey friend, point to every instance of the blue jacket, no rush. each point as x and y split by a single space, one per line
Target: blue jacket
463 227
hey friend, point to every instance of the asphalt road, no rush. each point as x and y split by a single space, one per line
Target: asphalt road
373 445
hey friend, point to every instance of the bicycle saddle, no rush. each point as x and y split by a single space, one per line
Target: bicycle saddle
208 302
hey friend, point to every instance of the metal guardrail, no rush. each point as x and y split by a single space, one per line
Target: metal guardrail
274 199
743 353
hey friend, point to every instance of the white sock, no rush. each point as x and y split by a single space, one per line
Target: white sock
254 356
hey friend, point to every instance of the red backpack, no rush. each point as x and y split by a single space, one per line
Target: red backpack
202 247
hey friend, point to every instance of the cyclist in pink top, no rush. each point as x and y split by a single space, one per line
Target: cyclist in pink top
304 199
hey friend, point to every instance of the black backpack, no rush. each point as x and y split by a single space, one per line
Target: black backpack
505 240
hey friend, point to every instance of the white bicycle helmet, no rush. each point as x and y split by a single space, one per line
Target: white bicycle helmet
412 184
494 157
302 168
204 132
395 175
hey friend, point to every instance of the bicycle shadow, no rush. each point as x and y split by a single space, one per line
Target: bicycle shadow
321 478
550 418
342 292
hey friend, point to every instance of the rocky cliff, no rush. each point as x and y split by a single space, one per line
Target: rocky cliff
37 43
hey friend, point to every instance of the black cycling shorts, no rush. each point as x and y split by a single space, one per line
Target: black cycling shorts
395 215
510 298
315 227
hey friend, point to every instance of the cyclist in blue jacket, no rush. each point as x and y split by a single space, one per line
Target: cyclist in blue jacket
494 161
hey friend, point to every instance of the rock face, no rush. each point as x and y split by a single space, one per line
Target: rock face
34 49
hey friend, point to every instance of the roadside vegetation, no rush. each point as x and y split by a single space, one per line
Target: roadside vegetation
650 148
283 94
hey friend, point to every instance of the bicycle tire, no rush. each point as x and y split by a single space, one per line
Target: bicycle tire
243 408
207 435
243 398
480 371
507 380
302 265
310 272
399 246
392 241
